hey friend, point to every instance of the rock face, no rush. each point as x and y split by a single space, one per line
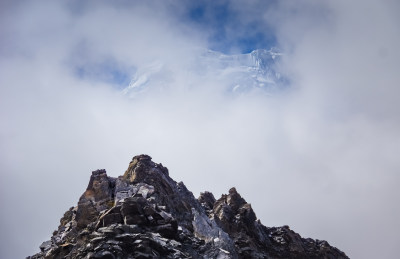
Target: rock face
146 214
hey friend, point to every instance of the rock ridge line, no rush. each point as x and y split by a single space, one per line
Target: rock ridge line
146 214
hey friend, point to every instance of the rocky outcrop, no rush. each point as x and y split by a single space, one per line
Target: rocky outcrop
146 214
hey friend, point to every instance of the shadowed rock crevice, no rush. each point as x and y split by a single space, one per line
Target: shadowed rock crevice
146 214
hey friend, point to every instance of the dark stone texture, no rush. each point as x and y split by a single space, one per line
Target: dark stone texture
146 214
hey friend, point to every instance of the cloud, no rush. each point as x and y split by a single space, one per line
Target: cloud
344 116
320 157
62 117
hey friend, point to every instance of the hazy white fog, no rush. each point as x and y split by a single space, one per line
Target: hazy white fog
321 157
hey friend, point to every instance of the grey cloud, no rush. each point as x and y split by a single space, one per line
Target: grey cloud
344 117
320 157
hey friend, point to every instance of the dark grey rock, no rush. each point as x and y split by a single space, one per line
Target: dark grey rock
146 214
103 255
45 246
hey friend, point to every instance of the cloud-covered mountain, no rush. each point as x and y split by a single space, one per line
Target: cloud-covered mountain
326 147
236 73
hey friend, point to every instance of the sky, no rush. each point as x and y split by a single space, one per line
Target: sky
320 156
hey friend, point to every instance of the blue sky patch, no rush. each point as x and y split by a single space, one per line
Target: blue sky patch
108 71
228 31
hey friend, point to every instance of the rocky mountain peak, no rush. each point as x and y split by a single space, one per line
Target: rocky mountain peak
143 169
146 214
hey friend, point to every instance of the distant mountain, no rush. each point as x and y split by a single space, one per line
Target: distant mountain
146 214
233 73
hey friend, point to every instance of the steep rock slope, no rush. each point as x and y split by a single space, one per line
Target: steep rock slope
146 214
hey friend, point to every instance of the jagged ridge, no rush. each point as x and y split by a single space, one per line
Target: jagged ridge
146 214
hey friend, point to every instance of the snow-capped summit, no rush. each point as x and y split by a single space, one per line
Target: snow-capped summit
229 73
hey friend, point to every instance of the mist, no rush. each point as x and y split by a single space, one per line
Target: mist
319 156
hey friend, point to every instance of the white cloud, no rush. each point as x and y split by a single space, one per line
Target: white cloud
344 118
320 157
